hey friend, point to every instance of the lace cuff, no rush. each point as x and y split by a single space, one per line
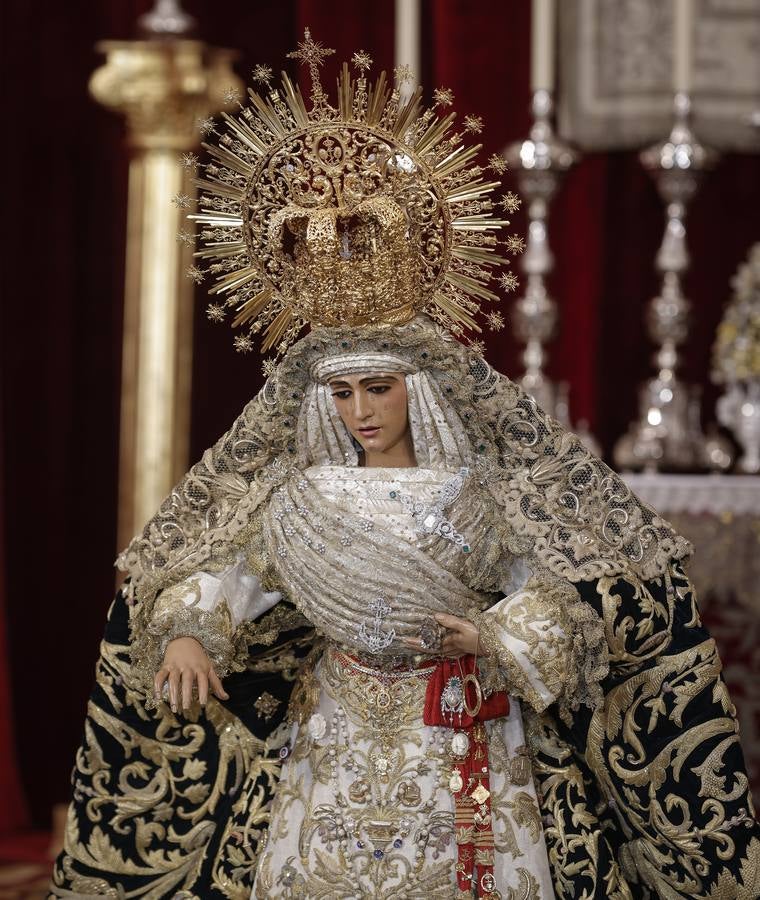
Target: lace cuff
549 643
207 607
211 628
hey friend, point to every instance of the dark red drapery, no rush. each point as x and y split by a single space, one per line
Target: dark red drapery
65 192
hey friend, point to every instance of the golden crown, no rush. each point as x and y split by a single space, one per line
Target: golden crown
363 213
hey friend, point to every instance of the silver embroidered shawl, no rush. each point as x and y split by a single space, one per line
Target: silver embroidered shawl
367 577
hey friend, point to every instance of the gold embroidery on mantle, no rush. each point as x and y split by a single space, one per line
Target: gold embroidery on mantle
667 832
159 774
266 705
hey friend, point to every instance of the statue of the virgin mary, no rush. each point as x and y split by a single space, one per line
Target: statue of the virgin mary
398 633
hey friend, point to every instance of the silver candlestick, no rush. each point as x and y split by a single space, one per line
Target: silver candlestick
664 435
541 162
166 19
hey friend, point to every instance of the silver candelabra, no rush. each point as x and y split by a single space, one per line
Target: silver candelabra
541 161
667 433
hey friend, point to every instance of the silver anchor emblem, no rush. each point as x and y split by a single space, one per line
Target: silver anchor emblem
374 636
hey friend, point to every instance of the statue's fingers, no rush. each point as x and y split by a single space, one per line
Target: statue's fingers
202 682
452 622
216 686
159 681
174 689
188 680
417 645
449 646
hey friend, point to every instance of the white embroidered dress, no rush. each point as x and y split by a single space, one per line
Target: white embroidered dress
364 808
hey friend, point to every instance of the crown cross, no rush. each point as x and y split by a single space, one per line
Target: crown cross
313 54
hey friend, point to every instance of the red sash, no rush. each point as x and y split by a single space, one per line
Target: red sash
469 781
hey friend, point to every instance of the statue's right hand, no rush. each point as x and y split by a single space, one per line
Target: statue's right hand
186 664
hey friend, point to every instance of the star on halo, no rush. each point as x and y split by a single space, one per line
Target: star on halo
190 161
269 367
473 124
262 74
443 97
205 126
497 164
508 281
231 95
403 74
195 274
243 344
181 201
215 312
362 60
510 202
514 243
495 320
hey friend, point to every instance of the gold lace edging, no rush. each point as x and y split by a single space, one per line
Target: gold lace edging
516 680
572 666
589 662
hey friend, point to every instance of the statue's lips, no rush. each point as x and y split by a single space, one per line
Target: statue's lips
369 432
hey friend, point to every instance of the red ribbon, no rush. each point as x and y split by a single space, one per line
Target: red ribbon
493 707
472 799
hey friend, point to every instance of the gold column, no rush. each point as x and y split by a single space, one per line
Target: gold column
162 87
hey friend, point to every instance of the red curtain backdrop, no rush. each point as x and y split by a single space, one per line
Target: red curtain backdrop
63 235
13 811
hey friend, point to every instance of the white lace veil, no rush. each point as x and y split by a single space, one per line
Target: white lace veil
438 436
557 499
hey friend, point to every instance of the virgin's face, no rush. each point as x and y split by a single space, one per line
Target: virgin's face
374 409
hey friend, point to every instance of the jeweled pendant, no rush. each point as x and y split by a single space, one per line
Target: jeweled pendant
520 770
460 744
452 697
455 781
488 883
480 794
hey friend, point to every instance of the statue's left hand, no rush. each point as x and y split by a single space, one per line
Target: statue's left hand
460 638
